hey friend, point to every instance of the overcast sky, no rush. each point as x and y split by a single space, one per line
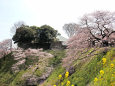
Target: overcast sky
55 13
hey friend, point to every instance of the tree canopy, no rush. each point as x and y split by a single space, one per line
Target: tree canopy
46 34
33 34
23 34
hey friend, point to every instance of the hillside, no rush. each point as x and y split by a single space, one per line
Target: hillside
46 68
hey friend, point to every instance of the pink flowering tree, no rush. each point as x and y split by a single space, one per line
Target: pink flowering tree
95 30
101 25
5 47
77 43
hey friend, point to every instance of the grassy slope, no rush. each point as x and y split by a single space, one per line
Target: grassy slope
5 70
7 78
107 79
86 69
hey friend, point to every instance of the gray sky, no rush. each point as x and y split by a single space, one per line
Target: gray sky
51 12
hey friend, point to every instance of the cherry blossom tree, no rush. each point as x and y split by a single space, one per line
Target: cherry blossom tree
80 40
95 30
101 25
5 47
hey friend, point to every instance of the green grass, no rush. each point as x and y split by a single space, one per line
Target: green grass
86 69
58 55
53 78
18 80
107 80
6 62
6 76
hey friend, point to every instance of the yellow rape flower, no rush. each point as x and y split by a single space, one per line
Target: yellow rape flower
72 85
68 83
104 60
112 75
96 79
62 84
101 72
112 65
54 85
66 74
60 76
